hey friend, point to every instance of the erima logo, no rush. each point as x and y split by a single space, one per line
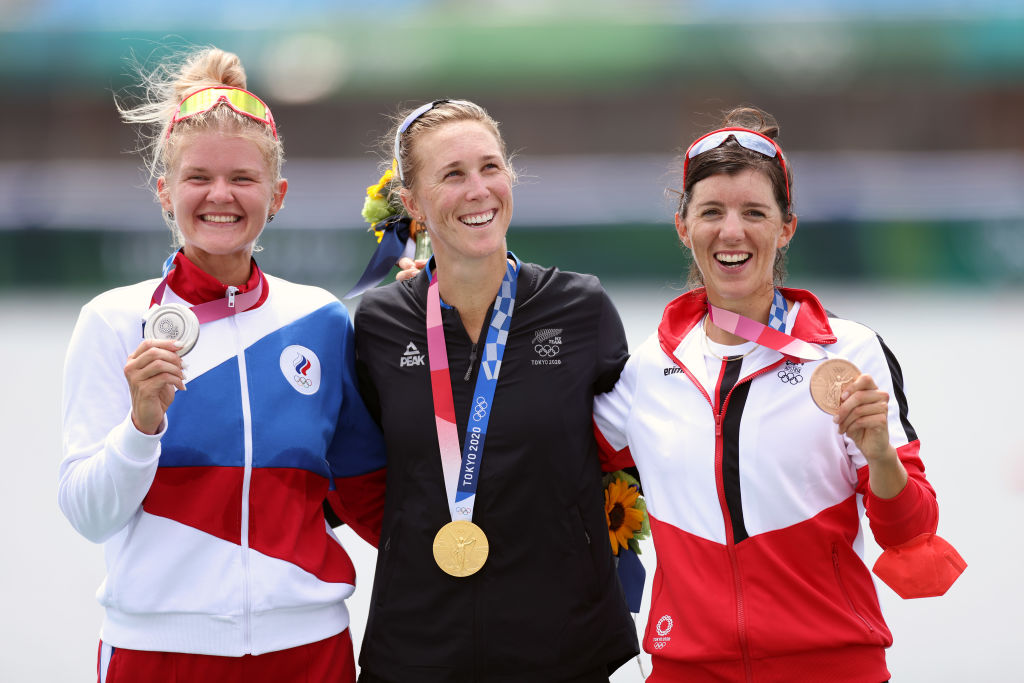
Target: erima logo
412 356
674 370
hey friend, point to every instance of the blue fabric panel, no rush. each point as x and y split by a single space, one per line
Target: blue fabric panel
204 423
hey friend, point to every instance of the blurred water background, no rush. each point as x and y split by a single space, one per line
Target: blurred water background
901 120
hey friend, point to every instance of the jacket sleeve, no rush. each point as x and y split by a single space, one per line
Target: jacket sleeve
356 456
609 409
914 511
108 465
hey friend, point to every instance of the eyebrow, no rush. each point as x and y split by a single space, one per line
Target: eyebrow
716 202
458 162
236 171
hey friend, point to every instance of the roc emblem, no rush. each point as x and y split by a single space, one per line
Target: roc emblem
301 368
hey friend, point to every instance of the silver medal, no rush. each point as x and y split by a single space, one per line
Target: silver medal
173 321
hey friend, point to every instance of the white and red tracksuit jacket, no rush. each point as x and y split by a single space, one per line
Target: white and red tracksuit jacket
214 530
756 502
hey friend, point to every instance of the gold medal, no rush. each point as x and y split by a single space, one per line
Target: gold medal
828 381
460 548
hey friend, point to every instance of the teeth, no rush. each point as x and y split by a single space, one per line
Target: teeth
478 218
732 258
220 219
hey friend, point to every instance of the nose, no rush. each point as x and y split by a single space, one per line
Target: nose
732 227
476 187
220 191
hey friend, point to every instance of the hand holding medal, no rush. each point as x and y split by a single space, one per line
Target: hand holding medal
155 370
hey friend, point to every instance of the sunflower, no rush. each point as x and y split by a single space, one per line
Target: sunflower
625 512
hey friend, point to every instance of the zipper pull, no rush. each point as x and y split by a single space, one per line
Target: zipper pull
469 368
231 296
718 424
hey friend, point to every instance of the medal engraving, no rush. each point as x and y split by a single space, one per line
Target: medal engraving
173 321
460 548
828 381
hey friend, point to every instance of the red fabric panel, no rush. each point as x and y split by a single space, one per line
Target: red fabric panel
287 522
611 459
329 660
359 502
206 498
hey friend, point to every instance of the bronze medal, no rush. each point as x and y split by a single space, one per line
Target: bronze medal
460 548
828 381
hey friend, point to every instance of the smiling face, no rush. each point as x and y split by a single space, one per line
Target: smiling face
462 191
734 227
220 189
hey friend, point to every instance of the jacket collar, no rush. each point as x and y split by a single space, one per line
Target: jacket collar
196 286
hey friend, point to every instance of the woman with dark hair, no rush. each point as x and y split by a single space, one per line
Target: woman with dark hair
763 428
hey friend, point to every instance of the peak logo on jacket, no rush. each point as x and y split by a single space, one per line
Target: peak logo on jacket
301 368
411 357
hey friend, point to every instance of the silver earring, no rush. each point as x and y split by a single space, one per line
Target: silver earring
270 217
170 215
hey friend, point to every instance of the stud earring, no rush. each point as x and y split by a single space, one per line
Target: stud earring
170 215
270 217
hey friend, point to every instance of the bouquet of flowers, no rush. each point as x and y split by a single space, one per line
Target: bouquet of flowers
625 511
628 524
382 205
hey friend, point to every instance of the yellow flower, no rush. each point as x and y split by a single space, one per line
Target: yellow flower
376 191
624 518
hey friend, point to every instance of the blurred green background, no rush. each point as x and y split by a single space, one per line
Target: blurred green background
902 120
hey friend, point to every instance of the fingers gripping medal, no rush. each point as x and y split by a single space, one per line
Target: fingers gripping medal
173 321
828 382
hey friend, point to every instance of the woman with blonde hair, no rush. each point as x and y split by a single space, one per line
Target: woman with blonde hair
205 479
494 563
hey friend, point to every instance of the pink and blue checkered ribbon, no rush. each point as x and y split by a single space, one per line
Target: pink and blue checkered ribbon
773 335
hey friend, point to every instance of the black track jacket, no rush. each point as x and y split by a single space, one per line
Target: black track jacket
547 605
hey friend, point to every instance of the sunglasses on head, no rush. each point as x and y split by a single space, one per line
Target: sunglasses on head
242 101
409 120
748 139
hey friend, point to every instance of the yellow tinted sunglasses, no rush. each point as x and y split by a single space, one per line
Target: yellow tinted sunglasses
242 101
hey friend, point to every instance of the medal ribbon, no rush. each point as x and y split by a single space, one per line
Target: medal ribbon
773 337
461 467
218 308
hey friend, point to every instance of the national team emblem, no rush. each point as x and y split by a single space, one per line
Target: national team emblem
546 344
301 368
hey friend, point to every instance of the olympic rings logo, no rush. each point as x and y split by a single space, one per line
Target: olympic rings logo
464 510
303 381
480 409
168 328
546 350
664 625
791 377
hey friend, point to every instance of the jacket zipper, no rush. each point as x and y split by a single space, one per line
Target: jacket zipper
842 588
472 360
246 484
730 544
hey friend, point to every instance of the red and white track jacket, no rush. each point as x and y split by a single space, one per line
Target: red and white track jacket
756 502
